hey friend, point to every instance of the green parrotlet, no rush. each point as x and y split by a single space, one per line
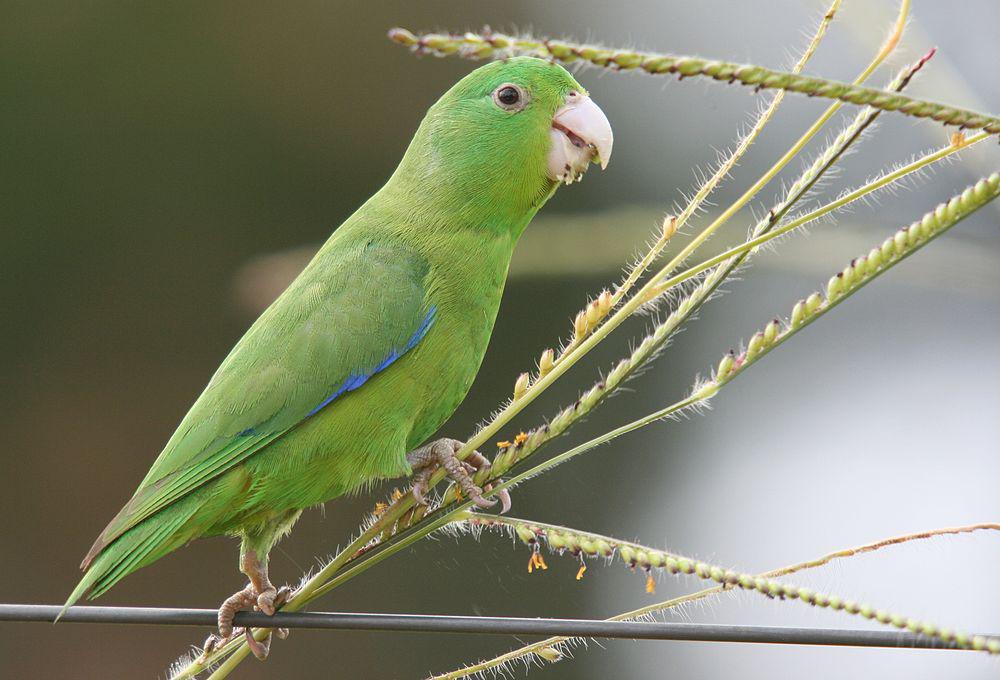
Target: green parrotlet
372 347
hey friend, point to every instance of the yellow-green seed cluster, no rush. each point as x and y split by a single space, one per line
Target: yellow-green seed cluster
861 269
634 556
488 44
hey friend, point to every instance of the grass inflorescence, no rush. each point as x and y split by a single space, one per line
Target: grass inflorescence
487 44
557 648
635 556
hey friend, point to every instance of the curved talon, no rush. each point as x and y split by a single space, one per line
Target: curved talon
283 596
212 642
216 641
259 648
480 462
479 501
272 599
265 601
505 503
420 484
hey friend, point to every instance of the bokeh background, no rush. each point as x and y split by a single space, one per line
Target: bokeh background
165 166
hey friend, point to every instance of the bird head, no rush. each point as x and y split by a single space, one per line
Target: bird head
509 133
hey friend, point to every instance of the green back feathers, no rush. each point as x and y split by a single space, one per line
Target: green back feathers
319 337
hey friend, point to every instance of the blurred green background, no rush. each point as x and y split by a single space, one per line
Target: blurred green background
165 166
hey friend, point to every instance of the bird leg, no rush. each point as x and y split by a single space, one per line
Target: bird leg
259 594
441 453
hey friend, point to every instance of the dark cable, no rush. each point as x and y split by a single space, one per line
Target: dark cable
484 625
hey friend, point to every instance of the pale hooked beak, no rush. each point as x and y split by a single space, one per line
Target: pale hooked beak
580 134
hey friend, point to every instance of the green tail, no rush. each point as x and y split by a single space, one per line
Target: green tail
141 545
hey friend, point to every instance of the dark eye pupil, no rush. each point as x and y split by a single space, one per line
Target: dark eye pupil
508 96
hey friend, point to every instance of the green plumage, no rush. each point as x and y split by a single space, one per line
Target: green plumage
398 306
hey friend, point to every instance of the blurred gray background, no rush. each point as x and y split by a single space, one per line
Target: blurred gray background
164 166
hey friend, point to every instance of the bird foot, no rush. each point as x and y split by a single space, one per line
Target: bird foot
268 600
441 453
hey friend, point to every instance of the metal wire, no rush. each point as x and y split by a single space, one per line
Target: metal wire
483 625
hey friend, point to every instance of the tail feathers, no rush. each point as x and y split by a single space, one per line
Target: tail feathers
141 545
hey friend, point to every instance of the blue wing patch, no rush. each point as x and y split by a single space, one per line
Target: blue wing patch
356 380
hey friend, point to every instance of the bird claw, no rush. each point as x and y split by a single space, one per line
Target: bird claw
259 648
238 601
264 597
504 497
217 641
272 599
441 453
212 642
477 461
421 483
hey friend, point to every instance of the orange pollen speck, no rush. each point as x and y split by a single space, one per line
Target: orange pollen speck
580 573
503 445
650 584
396 494
536 562
521 438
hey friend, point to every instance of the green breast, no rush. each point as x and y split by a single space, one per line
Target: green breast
466 292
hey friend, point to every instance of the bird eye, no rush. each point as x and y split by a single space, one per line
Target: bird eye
510 97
